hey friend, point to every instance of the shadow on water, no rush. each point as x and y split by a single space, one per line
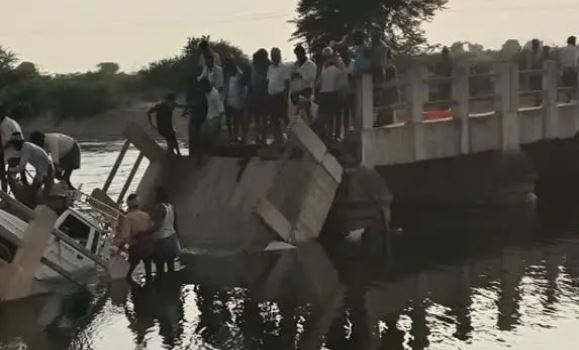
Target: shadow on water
476 279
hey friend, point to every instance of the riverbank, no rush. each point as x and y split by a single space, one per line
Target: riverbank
105 126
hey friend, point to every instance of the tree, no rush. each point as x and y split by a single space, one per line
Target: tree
108 68
26 69
320 21
7 60
173 73
511 50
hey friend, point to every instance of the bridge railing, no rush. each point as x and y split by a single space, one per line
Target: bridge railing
395 97
418 99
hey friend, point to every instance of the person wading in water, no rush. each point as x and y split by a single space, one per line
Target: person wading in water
166 242
135 231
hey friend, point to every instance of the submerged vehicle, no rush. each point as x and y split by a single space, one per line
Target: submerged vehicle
81 228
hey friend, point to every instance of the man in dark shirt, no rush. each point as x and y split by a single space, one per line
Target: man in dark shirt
164 118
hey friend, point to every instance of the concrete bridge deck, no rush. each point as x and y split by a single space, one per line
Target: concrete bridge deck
505 128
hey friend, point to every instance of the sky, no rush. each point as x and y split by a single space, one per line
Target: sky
63 36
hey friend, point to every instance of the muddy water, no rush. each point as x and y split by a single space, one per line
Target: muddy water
505 279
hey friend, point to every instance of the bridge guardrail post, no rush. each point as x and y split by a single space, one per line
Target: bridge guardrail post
550 93
506 104
417 95
461 110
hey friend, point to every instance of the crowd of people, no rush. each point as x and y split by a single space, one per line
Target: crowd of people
51 155
253 103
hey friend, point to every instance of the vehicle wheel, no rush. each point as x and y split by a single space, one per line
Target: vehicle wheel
5 253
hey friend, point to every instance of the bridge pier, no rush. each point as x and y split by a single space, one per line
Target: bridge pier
557 166
484 179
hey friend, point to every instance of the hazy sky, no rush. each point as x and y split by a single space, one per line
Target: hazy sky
74 35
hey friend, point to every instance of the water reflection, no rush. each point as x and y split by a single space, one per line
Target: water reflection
299 300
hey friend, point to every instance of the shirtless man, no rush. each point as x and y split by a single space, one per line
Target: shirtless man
135 231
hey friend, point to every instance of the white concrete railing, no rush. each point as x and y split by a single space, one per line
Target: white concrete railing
505 127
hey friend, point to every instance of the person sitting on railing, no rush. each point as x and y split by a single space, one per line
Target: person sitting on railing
31 154
63 149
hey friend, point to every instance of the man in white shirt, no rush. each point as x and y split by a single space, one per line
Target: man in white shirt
9 130
569 64
346 93
278 80
211 129
330 81
63 149
303 79
235 95
31 154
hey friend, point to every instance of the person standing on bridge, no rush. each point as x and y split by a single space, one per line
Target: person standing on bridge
211 129
197 112
347 87
303 78
329 84
258 96
535 62
569 65
164 117
63 149
278 78
214 73
235 95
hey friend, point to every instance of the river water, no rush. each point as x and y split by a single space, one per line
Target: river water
478 279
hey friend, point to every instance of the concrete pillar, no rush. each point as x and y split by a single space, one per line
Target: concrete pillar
507 104
461 94
550 92
416 96
18 277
